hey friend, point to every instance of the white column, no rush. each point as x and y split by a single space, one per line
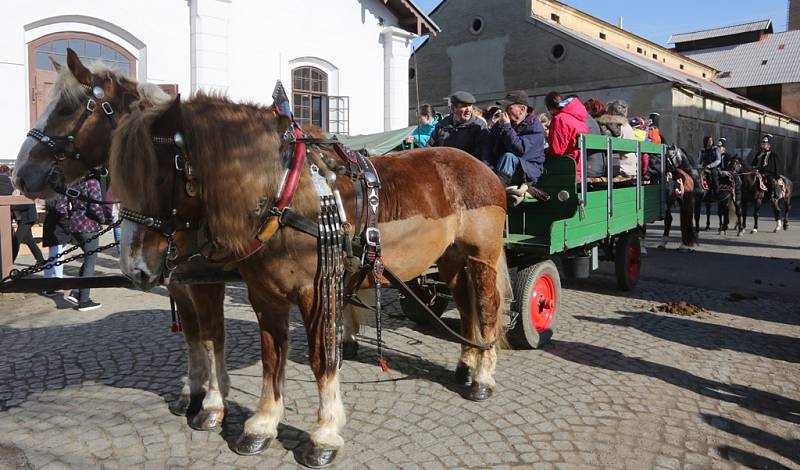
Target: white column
209 23
396 52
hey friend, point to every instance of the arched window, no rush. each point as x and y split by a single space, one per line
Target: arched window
90 48
310 96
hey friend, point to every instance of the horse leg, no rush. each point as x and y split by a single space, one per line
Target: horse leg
208 300
708 216
787 204
776 210
698 210
452 271
667 225
194 384
489 286
325 438
273 321
354 316
756 208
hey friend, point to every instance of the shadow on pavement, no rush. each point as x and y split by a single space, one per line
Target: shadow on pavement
788 448
703 335
766 403
749 459
133 349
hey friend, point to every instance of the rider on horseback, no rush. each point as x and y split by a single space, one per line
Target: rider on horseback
710 159
766 164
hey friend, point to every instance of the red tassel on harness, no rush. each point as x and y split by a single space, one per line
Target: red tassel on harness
384 366
176 327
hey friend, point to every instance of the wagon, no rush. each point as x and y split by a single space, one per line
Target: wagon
567 235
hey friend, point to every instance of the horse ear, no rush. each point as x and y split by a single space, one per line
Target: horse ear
78 69
55 63
170 120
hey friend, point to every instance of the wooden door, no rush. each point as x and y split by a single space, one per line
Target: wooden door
41 84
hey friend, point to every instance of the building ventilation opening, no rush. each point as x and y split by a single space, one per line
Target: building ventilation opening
764 62
602 35
476 26
555 18
557 52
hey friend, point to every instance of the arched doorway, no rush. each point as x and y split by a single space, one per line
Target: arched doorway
90 48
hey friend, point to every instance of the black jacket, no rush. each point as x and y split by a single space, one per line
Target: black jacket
525 140
55 231
467 136
766 163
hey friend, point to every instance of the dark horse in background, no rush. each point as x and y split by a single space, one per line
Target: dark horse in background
703 193
680 190
755 191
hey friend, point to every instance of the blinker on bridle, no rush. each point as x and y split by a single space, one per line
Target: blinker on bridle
63 146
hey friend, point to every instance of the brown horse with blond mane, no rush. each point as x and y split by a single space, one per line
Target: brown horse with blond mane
437 206
85 106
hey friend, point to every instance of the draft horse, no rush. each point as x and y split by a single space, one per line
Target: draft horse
437 205
680 187
73 137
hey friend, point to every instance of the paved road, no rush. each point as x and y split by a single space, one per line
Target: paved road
621 385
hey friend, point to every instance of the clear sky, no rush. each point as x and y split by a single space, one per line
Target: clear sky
657 19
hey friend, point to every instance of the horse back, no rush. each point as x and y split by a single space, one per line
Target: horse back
435 183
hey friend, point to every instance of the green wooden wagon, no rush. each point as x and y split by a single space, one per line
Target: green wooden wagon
582 223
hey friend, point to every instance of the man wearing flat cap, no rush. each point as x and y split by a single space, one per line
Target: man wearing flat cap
461 128
515 147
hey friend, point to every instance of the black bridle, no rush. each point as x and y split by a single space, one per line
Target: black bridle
167 227
63 146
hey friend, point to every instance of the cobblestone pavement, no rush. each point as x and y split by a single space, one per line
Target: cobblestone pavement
620 386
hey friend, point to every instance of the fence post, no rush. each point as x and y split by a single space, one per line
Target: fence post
6 202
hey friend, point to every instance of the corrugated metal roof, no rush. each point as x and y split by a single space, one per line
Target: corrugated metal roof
774 59
667 73
760 25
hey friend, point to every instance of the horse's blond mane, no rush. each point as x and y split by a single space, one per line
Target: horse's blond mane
235 149
70 89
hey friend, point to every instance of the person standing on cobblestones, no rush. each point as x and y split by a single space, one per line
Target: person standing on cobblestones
85 221
55 235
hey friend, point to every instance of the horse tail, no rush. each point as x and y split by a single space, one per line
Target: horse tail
506 294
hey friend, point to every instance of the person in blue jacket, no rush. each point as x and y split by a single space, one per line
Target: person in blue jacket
515 147
422 134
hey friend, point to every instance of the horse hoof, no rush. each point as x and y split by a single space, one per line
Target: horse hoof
739 233
755 230
250 444
187 405
479 392
349 350
207 420
661 247
463 375
317 457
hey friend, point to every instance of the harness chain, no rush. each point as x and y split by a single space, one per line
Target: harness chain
51 261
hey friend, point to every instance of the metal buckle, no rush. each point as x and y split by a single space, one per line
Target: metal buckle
107 108
373 236
72 192
91 105
180 162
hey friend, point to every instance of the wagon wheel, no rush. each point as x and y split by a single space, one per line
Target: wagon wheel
428 294
537 299
628 260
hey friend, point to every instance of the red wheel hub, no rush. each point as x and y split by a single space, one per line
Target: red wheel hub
543 303
634 261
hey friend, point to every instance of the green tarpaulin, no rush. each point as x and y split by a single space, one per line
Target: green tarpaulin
377 144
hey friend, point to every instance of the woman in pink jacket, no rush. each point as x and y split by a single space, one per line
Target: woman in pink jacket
568 121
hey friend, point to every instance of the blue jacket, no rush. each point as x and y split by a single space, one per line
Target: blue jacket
422 134
525 140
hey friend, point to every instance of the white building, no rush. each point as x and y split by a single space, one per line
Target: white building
344 63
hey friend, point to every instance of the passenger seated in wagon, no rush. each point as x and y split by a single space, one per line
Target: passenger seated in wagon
514 147
569 120
461 129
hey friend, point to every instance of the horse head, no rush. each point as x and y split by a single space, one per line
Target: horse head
159 192
73 134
